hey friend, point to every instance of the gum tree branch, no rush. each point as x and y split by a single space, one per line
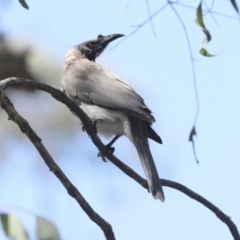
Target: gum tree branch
60 96
13 115
171 184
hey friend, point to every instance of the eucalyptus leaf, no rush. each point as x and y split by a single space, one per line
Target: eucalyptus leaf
24 4
235 5
46 230
4 221
199 21
13 227
205 53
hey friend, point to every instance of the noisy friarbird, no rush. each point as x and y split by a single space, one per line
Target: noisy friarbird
110 103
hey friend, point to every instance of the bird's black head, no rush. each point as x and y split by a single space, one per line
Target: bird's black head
93 48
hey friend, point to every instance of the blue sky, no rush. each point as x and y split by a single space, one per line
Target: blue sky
160 71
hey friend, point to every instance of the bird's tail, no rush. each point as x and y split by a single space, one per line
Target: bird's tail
139 137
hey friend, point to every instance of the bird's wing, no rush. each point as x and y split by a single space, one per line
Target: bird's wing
89 82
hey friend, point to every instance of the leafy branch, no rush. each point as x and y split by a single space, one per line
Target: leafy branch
199 12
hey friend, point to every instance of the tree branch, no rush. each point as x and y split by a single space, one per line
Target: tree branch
13 115
60 96
167 183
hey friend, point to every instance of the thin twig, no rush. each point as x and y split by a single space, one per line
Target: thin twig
13 115
193 73
126 8
140 26
151 22
214 12
209 10
191 58
211 7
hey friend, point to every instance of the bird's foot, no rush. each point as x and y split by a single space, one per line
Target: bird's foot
94 122
83 129
108 151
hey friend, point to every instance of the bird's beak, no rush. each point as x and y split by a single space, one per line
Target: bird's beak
105 40
109 38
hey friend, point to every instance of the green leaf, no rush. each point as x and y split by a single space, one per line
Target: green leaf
205 53
13 227
46 230
235 5
199 21
16 230
24 4
4 221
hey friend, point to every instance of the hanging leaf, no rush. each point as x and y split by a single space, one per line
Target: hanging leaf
46 230
235 5
207 39
24 4
205 53
199 22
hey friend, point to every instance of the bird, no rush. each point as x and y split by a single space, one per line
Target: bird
114 107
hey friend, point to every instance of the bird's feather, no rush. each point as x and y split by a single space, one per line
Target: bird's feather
94 84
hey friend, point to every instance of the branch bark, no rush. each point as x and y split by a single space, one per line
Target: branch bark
90 129
13 115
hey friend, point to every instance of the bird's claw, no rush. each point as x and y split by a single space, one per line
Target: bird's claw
108 151
94 122
83 129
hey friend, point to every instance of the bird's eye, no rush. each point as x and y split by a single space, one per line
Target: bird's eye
91 45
